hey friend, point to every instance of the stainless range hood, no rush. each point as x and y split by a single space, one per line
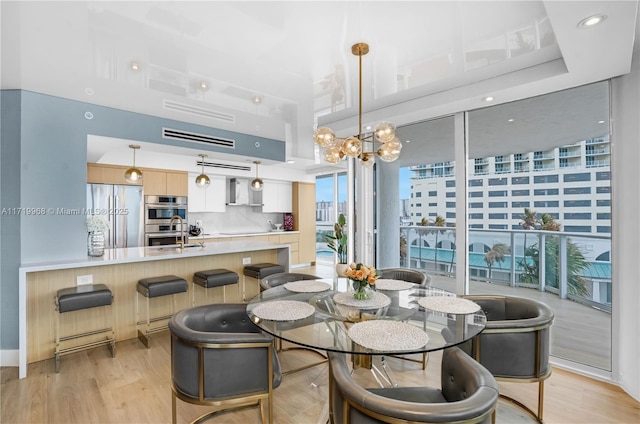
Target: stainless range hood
240 193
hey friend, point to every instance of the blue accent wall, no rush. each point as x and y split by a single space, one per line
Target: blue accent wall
44 154
9 224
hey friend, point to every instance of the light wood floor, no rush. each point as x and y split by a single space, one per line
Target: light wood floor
134 387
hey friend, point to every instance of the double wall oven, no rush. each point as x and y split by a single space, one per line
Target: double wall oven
158 228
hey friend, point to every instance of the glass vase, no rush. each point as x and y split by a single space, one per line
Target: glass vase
95 243
361 290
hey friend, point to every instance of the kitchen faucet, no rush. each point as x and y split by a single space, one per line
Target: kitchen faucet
179 218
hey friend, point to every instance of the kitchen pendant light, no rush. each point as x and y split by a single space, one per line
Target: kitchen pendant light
202 180
256 183
133 175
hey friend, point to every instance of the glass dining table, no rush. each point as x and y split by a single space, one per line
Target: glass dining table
399 320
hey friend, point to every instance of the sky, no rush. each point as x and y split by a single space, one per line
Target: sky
324 187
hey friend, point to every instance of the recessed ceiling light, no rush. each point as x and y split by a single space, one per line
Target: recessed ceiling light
510 120
135 66
601 122
291 161
592 21
203 85
488 99
368 128
257 99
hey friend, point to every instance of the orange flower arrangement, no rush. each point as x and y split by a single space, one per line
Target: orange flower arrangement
362 277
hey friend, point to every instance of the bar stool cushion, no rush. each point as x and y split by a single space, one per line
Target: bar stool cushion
215 278
83 297
262 270
162 286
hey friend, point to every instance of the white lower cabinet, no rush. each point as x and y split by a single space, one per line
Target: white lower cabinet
210 199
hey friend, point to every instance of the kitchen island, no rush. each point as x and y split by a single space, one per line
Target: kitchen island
120 270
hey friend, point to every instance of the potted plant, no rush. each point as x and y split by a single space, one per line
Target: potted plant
338 243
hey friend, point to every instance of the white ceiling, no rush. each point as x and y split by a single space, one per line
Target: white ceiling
427 58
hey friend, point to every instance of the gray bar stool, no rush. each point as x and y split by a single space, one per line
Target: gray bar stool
219 277
259 271
153 287
76 299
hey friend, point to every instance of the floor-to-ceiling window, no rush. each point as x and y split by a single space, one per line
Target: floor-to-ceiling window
331 201
539 210
539 221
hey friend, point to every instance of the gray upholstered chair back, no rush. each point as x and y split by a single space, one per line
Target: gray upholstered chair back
275 280
406 274
218 354
514 345
468 393
509 345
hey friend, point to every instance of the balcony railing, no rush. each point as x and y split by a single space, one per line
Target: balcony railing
586 281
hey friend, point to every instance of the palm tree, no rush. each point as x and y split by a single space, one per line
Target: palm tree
403 249
423 223
438 222
575 261
497 253
548 223
529 221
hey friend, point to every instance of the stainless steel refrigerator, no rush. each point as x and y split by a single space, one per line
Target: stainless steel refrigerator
123 207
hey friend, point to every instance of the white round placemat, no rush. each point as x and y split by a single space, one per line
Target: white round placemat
387 335
390 284
307 286
449 304
283 310
377 300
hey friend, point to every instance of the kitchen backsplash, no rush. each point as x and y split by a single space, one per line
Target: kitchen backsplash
235 219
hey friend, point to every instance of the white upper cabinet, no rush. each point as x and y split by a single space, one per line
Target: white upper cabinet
277 196
210 199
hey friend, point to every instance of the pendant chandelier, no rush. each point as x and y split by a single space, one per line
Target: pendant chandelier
202 180
256 183
362 146
133 175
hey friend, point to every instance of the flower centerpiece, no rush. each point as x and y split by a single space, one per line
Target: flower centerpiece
363 279
96 226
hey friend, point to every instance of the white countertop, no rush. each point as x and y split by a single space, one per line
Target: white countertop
141 254
241 234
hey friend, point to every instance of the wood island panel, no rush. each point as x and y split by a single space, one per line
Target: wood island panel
122 279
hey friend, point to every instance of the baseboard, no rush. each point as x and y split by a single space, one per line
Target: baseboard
9 358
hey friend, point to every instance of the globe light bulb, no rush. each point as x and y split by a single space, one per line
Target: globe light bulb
352 147
333 154
390 151
133 175
203 181
385 132
324 136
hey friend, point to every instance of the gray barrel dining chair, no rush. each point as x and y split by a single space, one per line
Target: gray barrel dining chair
221 359
468 393
281 278
514 345
406 274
